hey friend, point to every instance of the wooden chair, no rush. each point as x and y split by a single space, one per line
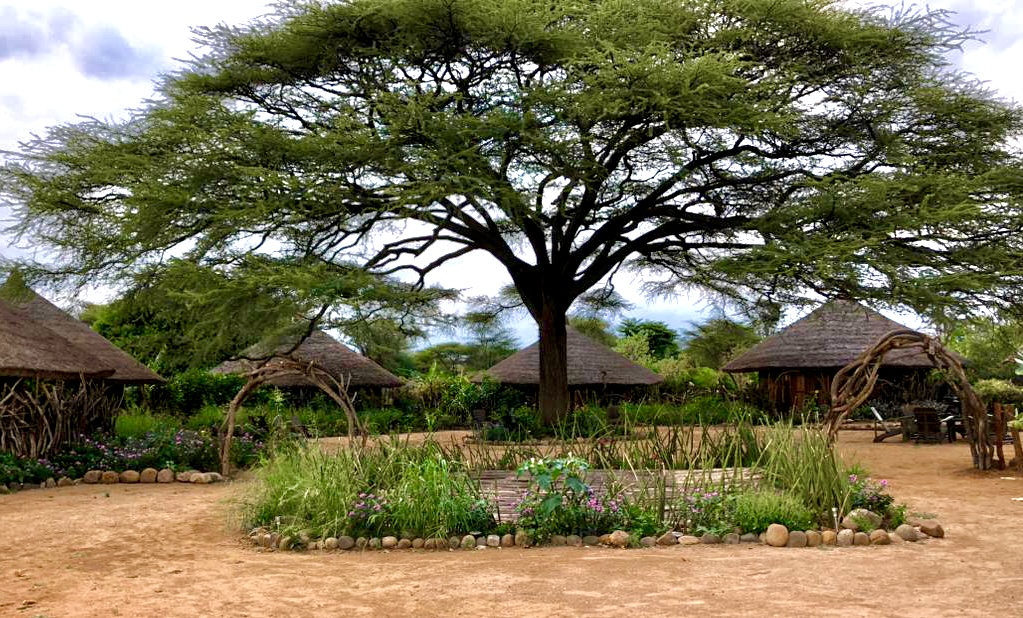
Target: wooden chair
889 430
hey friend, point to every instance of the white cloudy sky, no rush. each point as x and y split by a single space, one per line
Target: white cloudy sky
64 58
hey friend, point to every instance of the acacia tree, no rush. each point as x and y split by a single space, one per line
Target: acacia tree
753 148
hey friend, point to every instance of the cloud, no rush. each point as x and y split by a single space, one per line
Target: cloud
104 53
98 51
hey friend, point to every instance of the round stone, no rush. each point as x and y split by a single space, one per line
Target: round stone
431 544
361 542
558 540
508 540
345 542
481 541
932 528
130 476
50 483
668 538
709 538
777 535
907 532
389 542
688 539
829 537
92 477
797 538
749 537
879 537
418 543
468 542
574 540
591 540
523 539
813 538
845 538
374 543
183 477
65 482
861 538
165 476
493 540
454 542
731 538
110 477
620 538
285 543
330 543
404 543
148 475
895 539
647 541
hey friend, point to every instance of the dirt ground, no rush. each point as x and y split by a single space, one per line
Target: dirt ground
170 550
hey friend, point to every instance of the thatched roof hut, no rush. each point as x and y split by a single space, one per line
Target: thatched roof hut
78 336
798 363
589 364
831 337
31 350
330 354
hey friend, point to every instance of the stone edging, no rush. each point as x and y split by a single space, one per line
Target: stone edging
777 535
110 477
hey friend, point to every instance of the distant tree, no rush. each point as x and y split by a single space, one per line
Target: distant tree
716 341
490 340
990 345
451 357
662 341
752 148
386 341
595 328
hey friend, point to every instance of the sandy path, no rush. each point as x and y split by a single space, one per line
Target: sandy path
168 551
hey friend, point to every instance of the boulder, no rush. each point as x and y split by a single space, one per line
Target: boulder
861 538
374 543
330 543
389 542
418 543
749 537
361 542
732 538
345 542
65 482
183 477
508 540
688 539
468 542
932 528
849 521
907 532
558 540
620 538
165 476
431 544
523 540
591 540
481 541
647 541
797 538
285 543
829 537
813 538
709 538
454 542
215 477
198 478
50 483
668 538
404 543
879 537
777 535
895 539
845 538
148 475
3 490
110 477
605 539
92 477
574 540
130 476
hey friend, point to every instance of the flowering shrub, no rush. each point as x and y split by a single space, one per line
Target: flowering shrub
869 494
558 501
369 515
700 510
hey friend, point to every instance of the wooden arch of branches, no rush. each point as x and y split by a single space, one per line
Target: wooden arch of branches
854 383
313 373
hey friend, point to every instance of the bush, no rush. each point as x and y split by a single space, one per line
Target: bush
1000 391
187 392
803 463
756 510
14 469
701 510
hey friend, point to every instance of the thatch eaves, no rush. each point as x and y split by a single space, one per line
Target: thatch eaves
830 337
333 356
589 364
31 350
33 307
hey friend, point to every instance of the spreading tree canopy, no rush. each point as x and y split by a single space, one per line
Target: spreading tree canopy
752 148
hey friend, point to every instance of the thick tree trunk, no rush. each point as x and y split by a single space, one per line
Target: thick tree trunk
553 396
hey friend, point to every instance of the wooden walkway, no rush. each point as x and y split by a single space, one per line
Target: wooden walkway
505 488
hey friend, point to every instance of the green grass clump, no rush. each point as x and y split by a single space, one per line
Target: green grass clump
754 511
802 462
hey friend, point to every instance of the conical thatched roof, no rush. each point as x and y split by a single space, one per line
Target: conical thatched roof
30 349
589 363
33 307
832 336
325 351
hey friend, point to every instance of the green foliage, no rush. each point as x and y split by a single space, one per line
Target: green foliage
802 462
756 510
418 490
701 510
999 391
661 340
137 424
595 328
989 344
14 469
635 348
717 341
188 392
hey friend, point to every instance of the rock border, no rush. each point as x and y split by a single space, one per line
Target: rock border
111 477
777 535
